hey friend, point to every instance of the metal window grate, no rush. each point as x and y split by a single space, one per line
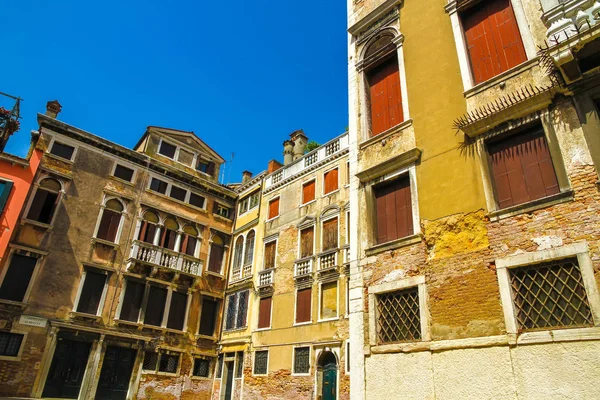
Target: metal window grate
550 295
150 361
201 367
10 343
260 362
168 362
239 364
398 316
301 360
220 366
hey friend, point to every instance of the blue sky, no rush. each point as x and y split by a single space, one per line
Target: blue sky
242 75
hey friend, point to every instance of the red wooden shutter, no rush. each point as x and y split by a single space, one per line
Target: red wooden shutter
303 305
308 192
264 312
330 234
216 258
270 250
331 181
394 210
273 208
307 242
493 39
522 168
109 224
168 239
385 96
189 245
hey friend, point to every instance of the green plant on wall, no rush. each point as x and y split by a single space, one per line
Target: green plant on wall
310 146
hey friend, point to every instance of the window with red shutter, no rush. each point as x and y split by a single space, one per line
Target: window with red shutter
274 208
394 210
308 192
217 252
110 221
307 239
385 96
264 312
303 305
270 251
330 234
331 181
522 168
493 38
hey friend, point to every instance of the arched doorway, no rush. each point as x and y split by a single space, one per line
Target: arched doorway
329 369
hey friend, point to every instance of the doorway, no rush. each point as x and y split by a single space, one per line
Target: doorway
329 367
227 394
67 369
116 373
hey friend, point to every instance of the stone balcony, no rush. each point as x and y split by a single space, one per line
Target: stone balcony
156 256
265 278
303 267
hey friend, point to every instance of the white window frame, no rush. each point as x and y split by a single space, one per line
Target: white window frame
408 283
65 142
167 190
265 243
299 245
323 185
269 208
160 142
242 251
246 249
101 214
126 165
270 315
80 290
324 219
579 250
310 363
254 362
303 204
36 270
231 210
347 357
461 43
33 192
16 331
309 322
320 317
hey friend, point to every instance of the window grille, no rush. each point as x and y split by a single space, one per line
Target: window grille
10 343
168 362
201 367
398 316
220 366
150 361
260 362
240 364
301 360
550 295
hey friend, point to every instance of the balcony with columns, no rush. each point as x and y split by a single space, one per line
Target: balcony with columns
157 256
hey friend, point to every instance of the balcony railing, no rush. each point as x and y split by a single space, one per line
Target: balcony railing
265 278
166 258
246 271
303 267
328 259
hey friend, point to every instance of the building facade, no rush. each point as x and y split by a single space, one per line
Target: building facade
474 197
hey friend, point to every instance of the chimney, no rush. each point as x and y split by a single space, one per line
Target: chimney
246 176
53 108
288 152
274 165
300 140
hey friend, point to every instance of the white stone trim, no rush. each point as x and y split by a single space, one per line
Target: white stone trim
310 363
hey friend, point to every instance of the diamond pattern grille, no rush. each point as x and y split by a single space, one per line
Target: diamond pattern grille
302 360
260 362
398 316
150 361
201 367
550 295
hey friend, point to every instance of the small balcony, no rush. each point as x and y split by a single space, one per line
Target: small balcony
265 278
303 267
328 259
165 258
244 272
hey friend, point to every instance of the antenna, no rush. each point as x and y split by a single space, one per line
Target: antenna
225 167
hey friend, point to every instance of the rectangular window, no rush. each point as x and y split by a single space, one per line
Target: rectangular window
219 372
62 150
196 200
161 361
178 193
221 210
493 39
243 206
208 167
385 96
109 222
201 368
150 361
264 312
331 181
303 305
550 295
308 192
10 344
167 149
209 317
159 186
155 306
348 357
17 277
329 300
5 188
522 168
398 316
254 198
347 173
91 292
394 210
132 301
185 157
123 173
301 360
270 252
307 240
237 309
177 310
330 234
44 203
239 364
261 361
274 208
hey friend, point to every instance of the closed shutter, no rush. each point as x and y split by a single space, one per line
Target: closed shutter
308 192
307 242
132 301
5 188
189 245
109 225
331 181
216 258
177 311
91 293
274 208
330 234
522 168
385 96
17 278
147 232
303 305
168 239
394 210
270 251
264 312
493 39
208 317
155 306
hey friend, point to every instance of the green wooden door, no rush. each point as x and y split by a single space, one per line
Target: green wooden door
329 381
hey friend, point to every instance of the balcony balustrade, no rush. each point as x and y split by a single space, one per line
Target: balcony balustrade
158 256
303 267
265 278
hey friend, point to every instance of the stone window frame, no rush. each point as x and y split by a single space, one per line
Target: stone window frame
124 214
101 304
327 215
311 224
236 295
219 312
310 357
64 141
272 199
167 194
211 367
580 250
407 283
320 301
35 187
178 148
544 118
17 358
310 321
39 254
586 103
312 179
244 237
156 371
226 244
266 241
463 54
126 165
254 361
248 198
325 172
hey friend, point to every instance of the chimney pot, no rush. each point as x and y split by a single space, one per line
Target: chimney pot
53 108
300 141
246 176
274 165
288 152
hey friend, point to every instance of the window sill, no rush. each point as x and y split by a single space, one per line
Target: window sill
199 336
302 323
80 315
175 331
531 206
129 323
160 373
215 274
395 244
200 378
331 193
17 304
307 374
262 329
36 223
58 158
222 218
272 219
328 319
253 374
555 336
308 203
123 181
514 71
233 330
8 358
105 242
385 134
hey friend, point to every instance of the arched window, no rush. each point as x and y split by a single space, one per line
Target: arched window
237 257
148 228
44 201
110 220
190 240
169 234
217 252
249 253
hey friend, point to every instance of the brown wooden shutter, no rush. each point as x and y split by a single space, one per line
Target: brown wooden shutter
177 311
308 192
394 210
264 312
385 96
109 225
331 181
216 258
303 305
168 239
307 242
493 39
132 301
208 318
273 208
189 245
522 168
270 251
330 234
